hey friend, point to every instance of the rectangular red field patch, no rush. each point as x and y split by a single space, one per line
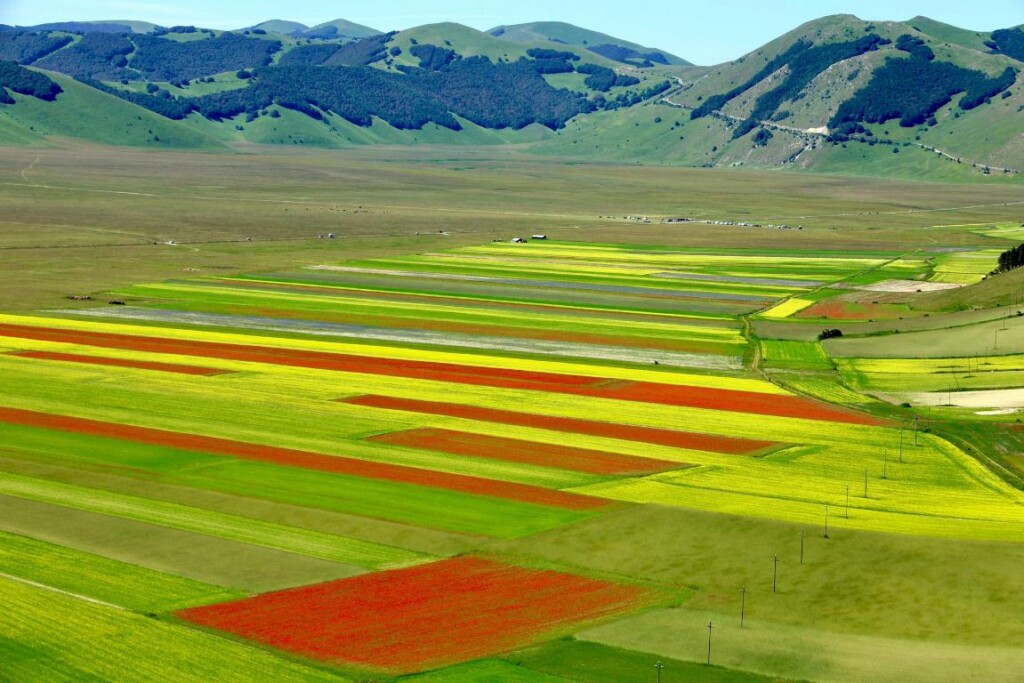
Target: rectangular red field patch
528 452
661 437
414 619
121 363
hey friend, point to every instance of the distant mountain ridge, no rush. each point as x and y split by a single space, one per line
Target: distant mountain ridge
839 94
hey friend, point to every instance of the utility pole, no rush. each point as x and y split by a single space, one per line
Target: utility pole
659 666
901 443
743 605
775 573
711 627
801 546
885 465
826 520
865 482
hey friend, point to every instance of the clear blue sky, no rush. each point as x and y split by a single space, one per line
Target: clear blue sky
703 32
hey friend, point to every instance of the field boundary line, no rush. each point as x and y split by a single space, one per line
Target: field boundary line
53 589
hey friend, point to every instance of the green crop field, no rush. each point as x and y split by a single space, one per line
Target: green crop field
646 404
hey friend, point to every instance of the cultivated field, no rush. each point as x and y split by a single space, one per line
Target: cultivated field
399 456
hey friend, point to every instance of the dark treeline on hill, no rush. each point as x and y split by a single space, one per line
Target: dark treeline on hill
626 55
133 56
25 48
803 68
506 95
805 63
1008 41
603 79
360 53
97 55
432 57
515 96
308 55
317 79
553 61
159 59
163 104
1011 259
629 99
915 47
716 102
914 89
25 82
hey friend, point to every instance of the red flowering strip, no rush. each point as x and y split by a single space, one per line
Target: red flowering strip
644 392
529 452
662 437
423 617
121 363
311 461
441 372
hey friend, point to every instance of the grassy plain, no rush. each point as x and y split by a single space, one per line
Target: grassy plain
84 219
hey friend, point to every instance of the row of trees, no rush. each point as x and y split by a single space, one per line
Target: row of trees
1011 259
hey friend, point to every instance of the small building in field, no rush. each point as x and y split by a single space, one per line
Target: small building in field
539 237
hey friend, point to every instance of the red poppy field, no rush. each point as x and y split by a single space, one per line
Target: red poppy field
410 620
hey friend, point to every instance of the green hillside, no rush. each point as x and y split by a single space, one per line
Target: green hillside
279 26
972 40
568 34
341 28
464 40
85 113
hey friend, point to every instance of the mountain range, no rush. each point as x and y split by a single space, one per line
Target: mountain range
917 98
